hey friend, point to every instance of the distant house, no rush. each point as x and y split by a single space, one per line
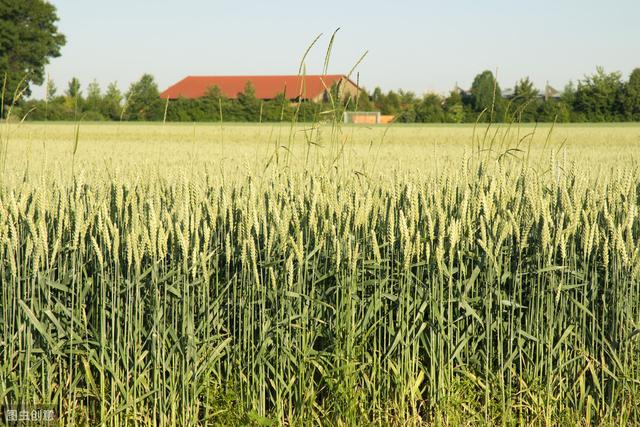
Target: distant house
548 93
551 93
510 92
295 88
460 91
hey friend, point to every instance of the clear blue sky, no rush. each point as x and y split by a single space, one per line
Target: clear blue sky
415 45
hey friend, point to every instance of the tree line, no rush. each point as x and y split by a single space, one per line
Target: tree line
600 97
142 102
29 38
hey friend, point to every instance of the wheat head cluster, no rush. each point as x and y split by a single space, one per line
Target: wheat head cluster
409 281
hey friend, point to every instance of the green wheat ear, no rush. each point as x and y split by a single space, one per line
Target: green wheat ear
403 296
76 138
76 141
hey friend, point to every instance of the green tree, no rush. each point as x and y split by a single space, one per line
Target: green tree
73 97
406 98
567 100
524 89
390 103
29 37
429 109
631 101
408 114
111 105
180 110
376 96
362 102
73 88
569 93
454 108
143 100
51 90
50 105
525 101
212 101
599 96
94 97
249 104
280 108
486 95
554 110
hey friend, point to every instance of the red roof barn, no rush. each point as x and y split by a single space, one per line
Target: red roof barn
295 87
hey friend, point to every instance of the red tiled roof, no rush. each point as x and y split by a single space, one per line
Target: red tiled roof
266 87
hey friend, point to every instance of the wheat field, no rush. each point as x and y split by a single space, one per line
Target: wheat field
321 274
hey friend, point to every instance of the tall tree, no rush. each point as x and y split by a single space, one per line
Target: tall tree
453 107
111 105
73 88
93 101
51 90
214 103
631 102
29 37
362 102
525 90
376 96
569 94
73 97
143 100
525 103
406 97
249 103
429 109
486 94
599 96
390 103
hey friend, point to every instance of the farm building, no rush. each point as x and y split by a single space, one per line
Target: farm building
510 92
367 117
548 93
295 88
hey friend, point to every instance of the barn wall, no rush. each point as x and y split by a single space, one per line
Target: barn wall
349 88
362 119
346 88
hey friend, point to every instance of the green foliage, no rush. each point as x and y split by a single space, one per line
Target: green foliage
552 111
387 104
143 100
73 88
526 101
184 289
486 95
249 104
377 96
599 97
213 104
93 101
631 98
73 97
29 37
111 103
454 108
429 109
362 102
51 90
